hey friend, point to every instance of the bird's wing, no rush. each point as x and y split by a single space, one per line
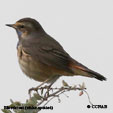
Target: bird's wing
50 53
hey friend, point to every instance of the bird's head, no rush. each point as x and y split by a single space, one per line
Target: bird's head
26 26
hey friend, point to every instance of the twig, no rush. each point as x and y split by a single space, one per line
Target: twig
49 96
88 97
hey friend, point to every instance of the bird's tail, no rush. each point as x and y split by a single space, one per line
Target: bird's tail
96 75
80 69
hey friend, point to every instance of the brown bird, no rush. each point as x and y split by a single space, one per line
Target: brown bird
42 58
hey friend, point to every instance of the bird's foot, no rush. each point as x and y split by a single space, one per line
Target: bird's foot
32 89
39 87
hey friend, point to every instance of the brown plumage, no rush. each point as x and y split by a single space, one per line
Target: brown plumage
41 57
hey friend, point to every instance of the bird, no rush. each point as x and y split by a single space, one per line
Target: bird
42 58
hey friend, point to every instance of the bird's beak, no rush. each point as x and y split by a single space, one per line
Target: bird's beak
11 25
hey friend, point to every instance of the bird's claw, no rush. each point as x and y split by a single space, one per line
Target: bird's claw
32 89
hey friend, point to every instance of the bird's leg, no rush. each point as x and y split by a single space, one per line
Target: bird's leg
48 89
36 88
52 80
50 85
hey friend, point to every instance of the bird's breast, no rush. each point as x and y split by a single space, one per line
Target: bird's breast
33 69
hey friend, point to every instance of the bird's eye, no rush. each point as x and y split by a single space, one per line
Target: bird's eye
21 26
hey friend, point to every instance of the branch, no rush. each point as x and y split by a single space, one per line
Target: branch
44 95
